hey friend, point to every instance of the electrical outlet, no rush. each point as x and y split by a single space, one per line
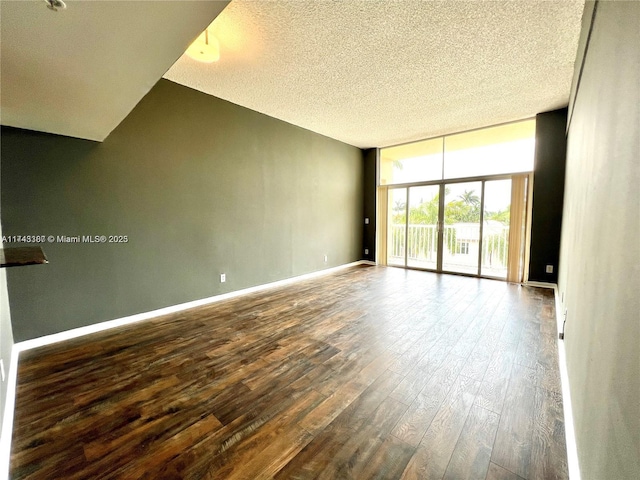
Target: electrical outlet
223 277
366 221
326 259
549 269
366 251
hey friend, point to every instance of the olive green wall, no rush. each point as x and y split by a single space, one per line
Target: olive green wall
199 185
599 277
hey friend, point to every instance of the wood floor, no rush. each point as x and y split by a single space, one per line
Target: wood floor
373 372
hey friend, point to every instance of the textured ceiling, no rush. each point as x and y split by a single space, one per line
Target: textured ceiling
80 71
379 73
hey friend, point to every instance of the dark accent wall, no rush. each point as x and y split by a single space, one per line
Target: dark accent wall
199 186
369 189
548 192
599 282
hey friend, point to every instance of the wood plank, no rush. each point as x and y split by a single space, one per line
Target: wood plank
496 472
434 452
170 448
418 417
365 443
389 461
496 379
546 364
470 459
333 406
352 440
285 445
420 374
513 444
549 452
243 446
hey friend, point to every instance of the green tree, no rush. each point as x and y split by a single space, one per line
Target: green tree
465 209
426 213
470 198
399 212
502 216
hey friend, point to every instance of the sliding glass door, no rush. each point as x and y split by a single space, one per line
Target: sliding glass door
457 227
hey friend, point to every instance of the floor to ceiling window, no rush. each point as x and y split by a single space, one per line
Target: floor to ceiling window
458 203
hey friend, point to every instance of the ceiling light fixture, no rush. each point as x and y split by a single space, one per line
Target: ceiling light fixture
205 48
55 5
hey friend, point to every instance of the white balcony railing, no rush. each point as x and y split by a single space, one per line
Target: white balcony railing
460 245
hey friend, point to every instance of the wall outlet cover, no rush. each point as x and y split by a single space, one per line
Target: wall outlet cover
549 269
223 277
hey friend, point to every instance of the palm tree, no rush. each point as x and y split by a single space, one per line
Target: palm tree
469 198
399 207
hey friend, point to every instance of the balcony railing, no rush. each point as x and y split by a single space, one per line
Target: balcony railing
460 246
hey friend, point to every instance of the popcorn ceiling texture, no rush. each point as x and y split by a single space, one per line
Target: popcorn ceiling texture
379 73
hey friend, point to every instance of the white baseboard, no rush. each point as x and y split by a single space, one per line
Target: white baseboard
7 422
570 434
102 326
540 284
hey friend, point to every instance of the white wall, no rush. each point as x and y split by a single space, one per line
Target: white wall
600 249
6 347
6 338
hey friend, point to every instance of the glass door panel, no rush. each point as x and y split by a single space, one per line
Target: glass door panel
397 227
461 239
422 231
495 228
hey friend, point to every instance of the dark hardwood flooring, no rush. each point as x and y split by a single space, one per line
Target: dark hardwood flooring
371 372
